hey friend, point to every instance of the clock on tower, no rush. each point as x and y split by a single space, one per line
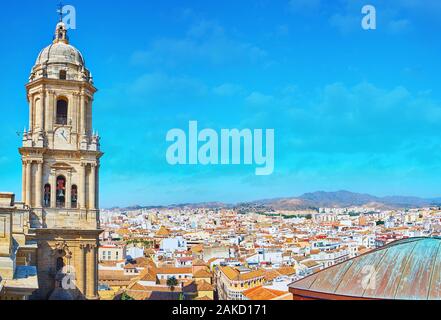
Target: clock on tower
61 161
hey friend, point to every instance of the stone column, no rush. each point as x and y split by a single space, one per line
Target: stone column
82 186
31 114
53 184
81 274
23 182
89 116
38 203
82 113
43 106
92 185
68 190
28 183
38 109
50 116
54 109
92 265
48 111
97 187
75 113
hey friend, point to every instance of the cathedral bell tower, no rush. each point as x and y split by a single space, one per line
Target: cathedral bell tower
61 161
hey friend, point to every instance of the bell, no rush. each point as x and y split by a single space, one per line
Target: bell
60 193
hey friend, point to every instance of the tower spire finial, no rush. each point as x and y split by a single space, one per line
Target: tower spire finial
61 30
60 11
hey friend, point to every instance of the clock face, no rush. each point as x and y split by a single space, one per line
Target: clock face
63 134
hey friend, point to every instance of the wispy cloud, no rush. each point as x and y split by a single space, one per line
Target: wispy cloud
157 83
228 89
304 6
204 42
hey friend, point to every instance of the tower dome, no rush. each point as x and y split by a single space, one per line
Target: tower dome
60 60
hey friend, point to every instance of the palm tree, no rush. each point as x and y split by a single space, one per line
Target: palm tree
172 283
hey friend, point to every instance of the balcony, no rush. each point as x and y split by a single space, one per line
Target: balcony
61 120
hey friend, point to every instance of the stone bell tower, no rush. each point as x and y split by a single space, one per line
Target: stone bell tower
61 160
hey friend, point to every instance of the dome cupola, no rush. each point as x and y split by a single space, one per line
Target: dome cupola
60 60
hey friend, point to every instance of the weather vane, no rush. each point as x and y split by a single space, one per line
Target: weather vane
60 11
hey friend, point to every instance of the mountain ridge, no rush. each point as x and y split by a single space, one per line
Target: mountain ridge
313 200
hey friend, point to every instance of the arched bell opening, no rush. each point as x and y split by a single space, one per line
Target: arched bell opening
61 192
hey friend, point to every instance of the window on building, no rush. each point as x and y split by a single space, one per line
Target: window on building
63 75
62 106
74 197
59 264
61 192
47 195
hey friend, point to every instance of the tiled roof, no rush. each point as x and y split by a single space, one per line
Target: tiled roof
173 270
163 232
261 293
202 274
235 275
198 262
108 275
286 271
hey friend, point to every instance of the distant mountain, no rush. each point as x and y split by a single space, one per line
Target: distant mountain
346 199
339 198
209 205
314 200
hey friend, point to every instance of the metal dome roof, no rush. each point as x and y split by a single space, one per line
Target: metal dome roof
407 269
60 56
60 53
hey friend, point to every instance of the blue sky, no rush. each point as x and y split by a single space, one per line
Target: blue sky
352 109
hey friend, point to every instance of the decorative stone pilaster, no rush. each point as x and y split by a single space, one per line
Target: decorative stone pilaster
23 182
82 275
53 184
83 113
38 201
92 268
92 187
69 190
28 182
82 186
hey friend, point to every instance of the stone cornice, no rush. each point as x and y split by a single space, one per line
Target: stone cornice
75 232
61 83
29 151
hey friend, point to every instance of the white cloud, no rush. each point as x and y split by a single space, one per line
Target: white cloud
257 98
204 42
398 26
227 89
162 83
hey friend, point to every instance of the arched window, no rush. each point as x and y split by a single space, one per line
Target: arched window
74 197
62 106
60 264
63 75
47 195
61 192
